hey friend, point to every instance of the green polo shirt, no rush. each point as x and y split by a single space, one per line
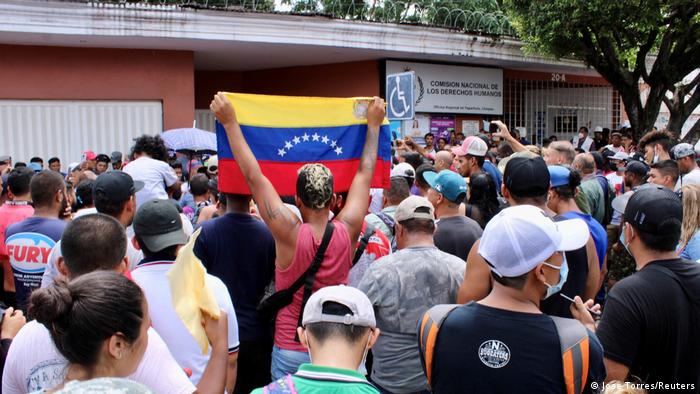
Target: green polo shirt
312 379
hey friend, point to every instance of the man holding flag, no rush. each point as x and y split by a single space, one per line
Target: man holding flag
297 243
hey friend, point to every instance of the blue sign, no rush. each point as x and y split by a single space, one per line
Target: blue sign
399 93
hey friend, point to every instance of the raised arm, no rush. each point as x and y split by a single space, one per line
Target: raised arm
356 206
504 133
283 224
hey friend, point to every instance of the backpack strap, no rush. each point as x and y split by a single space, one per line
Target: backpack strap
369 231
283 385
428 329
574 342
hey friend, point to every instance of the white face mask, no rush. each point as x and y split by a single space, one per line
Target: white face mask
580 136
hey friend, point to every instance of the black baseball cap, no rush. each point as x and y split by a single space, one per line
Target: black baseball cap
157 223
655 209
117 186
526 177
637 167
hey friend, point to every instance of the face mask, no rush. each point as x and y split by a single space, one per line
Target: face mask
656 157
622 241
580 136
364 355
563 274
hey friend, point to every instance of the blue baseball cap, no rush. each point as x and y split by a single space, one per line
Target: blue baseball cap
558 175
448 183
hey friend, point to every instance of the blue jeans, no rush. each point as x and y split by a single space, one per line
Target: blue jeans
286 362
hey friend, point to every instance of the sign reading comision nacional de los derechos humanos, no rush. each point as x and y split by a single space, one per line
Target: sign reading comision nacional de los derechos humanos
454 89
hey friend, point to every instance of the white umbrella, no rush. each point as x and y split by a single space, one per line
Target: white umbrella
191 141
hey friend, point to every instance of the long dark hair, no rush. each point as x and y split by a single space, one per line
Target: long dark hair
482 194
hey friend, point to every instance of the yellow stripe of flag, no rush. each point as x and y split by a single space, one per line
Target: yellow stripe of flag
290 112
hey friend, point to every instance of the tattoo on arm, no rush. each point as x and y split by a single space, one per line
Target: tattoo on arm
369 152
274 213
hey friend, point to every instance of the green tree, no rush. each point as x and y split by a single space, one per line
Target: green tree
655 42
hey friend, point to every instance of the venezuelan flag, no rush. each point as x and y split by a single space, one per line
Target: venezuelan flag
285 133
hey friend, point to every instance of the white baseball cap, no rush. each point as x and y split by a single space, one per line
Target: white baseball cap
403 169
473 146
519 238
355 300
598 129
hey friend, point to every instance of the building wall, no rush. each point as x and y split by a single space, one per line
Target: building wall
63 73
328 80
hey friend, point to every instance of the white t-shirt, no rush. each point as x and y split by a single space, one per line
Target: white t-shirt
33 363
133 257
691 178
83 212
156 175
615 180
151 276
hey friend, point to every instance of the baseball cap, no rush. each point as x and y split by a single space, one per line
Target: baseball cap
473 146
73 166
558 175
620 156
116 156
355 300
637 168
89 155
117 186
519 238
655 209
414 207
448 183
523 153
683 150
598 129
4 159
157 223
527 177
403 169
34 167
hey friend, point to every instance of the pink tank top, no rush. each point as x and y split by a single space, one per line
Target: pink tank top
333 271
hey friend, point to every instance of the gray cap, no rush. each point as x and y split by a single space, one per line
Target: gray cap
414 207
5 158
116 156
355 300
683 150
157 223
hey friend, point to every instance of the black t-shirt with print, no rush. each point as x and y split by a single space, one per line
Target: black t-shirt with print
480 349
652 325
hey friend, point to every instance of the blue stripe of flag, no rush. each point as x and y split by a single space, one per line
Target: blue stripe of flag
307 144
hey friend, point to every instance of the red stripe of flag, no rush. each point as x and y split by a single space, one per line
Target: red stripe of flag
284 175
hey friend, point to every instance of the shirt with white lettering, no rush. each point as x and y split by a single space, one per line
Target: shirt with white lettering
28 245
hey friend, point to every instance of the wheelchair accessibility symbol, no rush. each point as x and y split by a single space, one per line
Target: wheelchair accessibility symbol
399 88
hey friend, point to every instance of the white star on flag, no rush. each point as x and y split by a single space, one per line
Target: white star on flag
338 151
281 152
296 139
324 139
334 144
315 137
305 137
288 145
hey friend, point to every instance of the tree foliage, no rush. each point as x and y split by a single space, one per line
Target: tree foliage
656 42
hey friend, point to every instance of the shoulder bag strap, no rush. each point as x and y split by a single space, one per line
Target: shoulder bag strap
369 230
310 276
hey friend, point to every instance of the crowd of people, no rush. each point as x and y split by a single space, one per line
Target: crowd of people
487 265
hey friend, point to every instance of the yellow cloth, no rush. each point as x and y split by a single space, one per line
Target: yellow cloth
191 295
